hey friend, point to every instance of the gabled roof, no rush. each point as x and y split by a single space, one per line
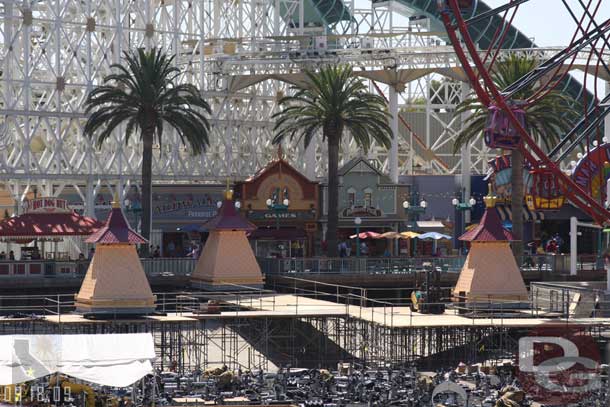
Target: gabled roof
116 230
348 166
284 166
489 229
228 219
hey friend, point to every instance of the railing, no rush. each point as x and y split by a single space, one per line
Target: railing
559 264
169 266
184 266
153 267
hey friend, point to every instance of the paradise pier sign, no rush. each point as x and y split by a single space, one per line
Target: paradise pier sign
592 171
46 205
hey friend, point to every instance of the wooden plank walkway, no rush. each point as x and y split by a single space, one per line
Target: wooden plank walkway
398 317
288 305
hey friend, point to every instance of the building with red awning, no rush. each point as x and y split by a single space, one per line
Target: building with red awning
45 220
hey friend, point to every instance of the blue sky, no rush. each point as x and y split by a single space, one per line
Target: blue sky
548 20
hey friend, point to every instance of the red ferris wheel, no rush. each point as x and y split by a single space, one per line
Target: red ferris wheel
506 128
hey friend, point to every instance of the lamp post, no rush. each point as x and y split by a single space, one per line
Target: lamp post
136 209
414 209
358 222
278 208
461 207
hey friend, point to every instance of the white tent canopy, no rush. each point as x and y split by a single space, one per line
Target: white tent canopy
109 359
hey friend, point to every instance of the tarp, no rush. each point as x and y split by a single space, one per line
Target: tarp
107 359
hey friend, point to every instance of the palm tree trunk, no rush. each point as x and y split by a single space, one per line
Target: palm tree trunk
517 202
333 193
147 185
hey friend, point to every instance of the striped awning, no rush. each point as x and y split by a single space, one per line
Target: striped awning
528 216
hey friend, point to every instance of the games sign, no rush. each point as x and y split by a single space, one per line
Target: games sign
46 205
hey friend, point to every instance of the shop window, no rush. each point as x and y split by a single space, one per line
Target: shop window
368 198
351 197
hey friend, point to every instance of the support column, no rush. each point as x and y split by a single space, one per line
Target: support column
466 157
607 137
310 159
607 261
393 161
573 245
607 118
90 199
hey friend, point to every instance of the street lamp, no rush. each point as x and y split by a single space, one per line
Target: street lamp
135 208
414 209
277 208
358 222
461 206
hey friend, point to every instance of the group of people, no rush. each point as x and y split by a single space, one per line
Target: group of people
550 246
345 249
11 255
194 250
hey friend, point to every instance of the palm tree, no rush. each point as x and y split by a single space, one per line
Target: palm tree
334 100
144 95
545 120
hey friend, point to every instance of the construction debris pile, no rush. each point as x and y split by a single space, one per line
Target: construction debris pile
349 387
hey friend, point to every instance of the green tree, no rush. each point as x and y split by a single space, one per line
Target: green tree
545 121
144 94
338 103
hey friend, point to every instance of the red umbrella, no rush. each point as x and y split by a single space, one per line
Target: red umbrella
366 235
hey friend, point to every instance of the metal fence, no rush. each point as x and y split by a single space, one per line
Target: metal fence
403 265
153 267
184 266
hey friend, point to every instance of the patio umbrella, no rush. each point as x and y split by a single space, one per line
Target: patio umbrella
408 235
366 235
434 236
390 235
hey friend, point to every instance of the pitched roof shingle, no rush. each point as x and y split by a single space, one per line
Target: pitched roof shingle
116 230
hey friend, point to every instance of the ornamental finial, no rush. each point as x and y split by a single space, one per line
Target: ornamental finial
115 201
228 191
490 200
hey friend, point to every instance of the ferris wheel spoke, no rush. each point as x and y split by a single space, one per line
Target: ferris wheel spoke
592 21
592 124
495 11
557 60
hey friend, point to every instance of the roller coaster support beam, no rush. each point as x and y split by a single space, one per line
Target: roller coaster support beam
572 190
394 126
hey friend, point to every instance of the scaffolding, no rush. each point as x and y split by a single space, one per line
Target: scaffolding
266 330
